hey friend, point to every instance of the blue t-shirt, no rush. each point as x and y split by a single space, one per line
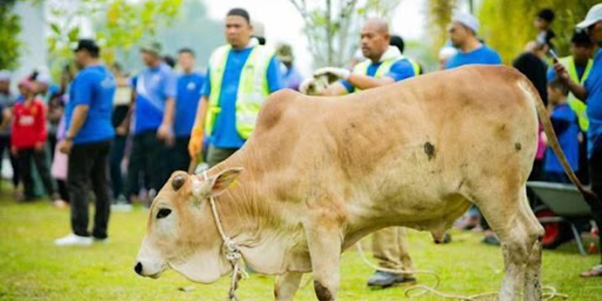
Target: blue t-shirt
566 127
93 86
483 55
593 85
225 134
187 100
153 87
400 70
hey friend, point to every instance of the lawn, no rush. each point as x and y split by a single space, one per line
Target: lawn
32 268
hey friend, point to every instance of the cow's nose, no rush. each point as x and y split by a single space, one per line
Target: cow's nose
138 268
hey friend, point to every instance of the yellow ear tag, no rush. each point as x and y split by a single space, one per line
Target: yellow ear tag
233 184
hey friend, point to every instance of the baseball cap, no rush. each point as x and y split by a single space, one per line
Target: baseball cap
27 84
152 48
593 16
88 45
467 20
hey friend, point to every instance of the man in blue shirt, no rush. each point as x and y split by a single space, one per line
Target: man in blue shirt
226 115
591 93
88 141
463 35
188 95
384 65
291 76
155 89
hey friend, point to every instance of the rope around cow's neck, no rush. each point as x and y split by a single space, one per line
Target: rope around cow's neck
232 252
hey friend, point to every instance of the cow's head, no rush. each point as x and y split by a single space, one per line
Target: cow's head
181 232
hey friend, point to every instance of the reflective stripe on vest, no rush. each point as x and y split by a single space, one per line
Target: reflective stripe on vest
384 68
252 91
578 106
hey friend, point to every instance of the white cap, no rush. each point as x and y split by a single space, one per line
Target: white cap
593 16
4 76
467 20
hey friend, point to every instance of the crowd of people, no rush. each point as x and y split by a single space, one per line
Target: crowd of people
123 134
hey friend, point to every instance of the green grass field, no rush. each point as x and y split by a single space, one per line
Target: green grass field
32 268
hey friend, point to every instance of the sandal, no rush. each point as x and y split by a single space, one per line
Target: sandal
596 271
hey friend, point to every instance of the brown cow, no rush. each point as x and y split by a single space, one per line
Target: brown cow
321 174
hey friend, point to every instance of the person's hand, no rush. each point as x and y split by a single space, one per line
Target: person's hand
164 133
308 86
195 145
561 72
39 146
339 73
13 150
121 130
65 146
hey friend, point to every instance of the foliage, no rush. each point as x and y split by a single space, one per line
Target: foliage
332 26
439 16
119 24
10 27
508 30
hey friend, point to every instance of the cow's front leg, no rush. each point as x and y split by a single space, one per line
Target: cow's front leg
287 285
324 243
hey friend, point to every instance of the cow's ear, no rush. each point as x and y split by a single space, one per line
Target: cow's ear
223 180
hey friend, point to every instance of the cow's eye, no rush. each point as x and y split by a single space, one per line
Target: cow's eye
163 213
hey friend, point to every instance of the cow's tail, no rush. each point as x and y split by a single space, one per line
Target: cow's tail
533 95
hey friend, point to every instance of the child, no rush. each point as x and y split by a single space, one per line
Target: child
29 138
566 127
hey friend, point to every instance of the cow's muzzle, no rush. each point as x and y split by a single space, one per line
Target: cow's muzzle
148 269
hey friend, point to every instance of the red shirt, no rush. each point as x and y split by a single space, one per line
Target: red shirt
29 124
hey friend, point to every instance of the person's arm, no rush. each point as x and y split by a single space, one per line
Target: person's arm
80 113
577 89
166 129
195 145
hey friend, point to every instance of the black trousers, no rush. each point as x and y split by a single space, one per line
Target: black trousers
150 156
5 146
89 164
117 153
180 154
25 157
595 177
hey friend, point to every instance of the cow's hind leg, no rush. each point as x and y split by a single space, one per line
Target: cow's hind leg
287 285
532 289
506 215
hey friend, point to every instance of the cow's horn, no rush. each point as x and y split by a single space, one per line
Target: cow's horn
178 182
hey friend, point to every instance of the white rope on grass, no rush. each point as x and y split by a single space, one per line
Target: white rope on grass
549 292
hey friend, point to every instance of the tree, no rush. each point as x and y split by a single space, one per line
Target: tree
439 16
331 26
10 27
508 30
118 24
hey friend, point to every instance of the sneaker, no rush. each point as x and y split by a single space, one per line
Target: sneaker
74 240
61 204
491 239
386 279
100 241
122 205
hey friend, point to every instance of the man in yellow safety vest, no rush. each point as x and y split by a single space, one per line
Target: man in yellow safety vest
384 65
578 66
240 77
